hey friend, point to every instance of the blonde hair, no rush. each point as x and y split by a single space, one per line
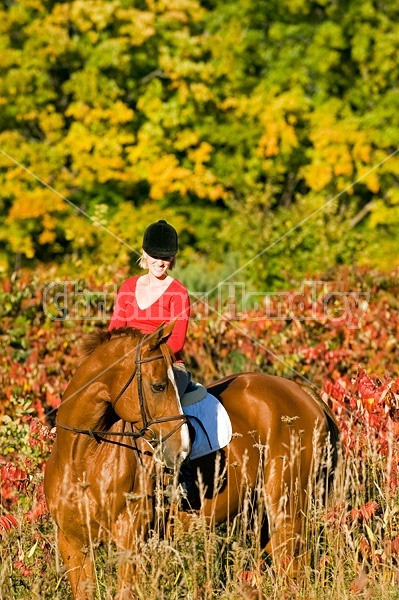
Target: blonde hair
142 262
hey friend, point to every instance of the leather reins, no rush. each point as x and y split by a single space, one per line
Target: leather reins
146 417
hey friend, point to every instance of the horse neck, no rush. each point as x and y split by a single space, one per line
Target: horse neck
84 408
87 401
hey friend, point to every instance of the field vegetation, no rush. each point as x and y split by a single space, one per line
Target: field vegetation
349 357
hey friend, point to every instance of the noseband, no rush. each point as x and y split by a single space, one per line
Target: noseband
146 417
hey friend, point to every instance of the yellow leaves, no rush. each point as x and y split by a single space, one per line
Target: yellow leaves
139 25
15 15
393 196
51 123
47 237
80 111
288 138
200 92
138 156
317 175
390 166
49 221
20 241
362 149
110 167
228 104
33 204
91 14
326 125
78 231
92 87
32 208
34 4
166 176
26 207
269 142
341 153
336 166
279 121
80 141
382 214
97 152
201 154
151 107
177 10
183 92
47 40
185 139
340 157
118 113
370 179
296 6
39 206
9 57
60 15
324 53
32 115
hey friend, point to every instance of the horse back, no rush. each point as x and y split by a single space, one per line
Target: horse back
273 412
270 400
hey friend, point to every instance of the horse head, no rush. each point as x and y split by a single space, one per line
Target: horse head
162 421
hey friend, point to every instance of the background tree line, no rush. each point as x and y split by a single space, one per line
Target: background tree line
236 121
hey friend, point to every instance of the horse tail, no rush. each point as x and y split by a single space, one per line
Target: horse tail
332 429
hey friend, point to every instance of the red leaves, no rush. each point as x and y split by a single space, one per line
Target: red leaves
39 508
40 437
12 481
6 285
6 523
52 399
366 388
364 513
24 570
335 390
378 395
367 409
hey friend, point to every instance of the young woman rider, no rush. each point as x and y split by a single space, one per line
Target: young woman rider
146 301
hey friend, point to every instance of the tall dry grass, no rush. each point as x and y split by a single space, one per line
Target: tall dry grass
349 535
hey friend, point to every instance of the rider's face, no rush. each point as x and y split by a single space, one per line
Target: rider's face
158 266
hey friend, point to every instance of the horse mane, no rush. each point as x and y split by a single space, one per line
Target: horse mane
94 339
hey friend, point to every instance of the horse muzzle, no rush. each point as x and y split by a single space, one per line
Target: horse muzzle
176 448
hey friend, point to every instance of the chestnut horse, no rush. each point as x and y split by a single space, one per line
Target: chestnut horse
122 408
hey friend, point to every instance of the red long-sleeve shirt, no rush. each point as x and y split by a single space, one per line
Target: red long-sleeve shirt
172 304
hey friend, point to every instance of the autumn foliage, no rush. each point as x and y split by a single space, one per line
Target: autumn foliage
349 358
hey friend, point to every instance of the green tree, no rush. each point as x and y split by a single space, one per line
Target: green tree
237 121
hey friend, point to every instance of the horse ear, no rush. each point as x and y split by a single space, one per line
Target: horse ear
161 335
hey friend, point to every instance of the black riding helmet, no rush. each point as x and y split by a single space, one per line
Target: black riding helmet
160 240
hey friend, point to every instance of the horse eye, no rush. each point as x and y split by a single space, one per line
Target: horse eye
158 387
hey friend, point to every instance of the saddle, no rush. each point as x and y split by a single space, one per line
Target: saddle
208 418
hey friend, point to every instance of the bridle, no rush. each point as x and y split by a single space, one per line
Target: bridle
146 419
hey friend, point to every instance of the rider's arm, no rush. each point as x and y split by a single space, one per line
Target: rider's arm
119 315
